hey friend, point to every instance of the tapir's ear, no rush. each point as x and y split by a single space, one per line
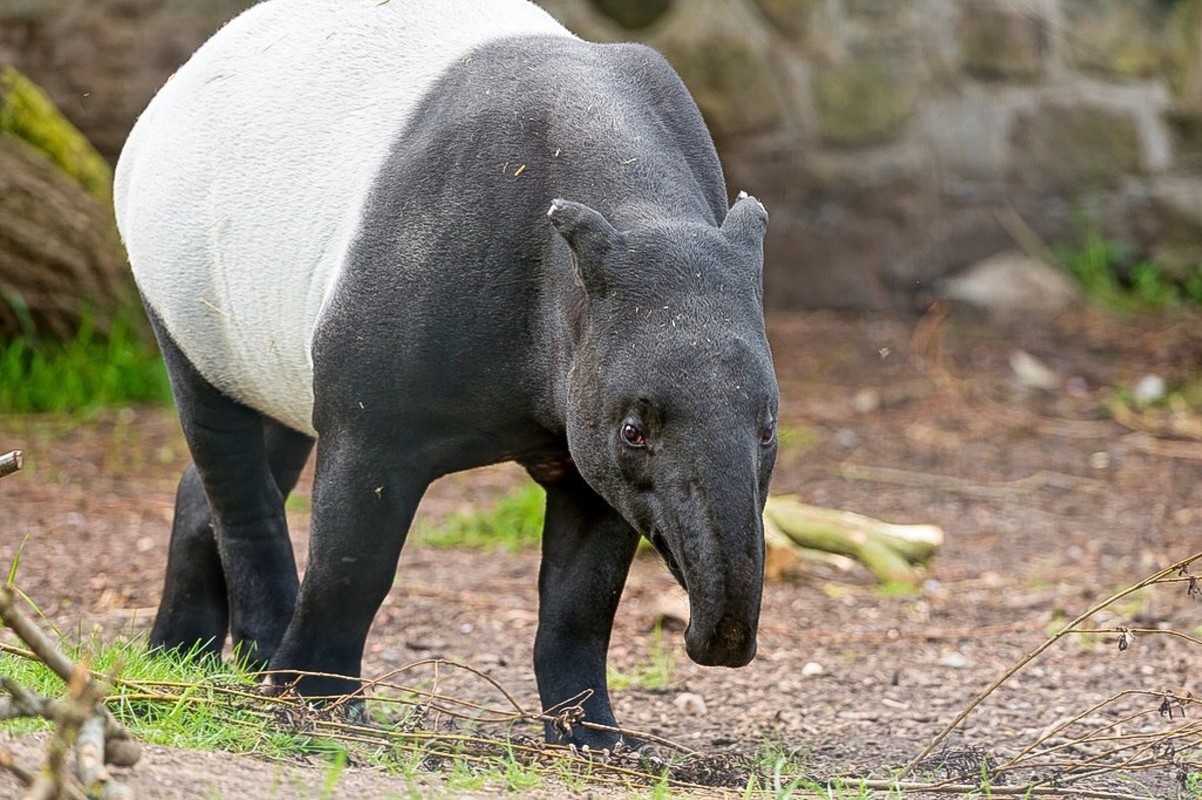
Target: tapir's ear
746 221
590 236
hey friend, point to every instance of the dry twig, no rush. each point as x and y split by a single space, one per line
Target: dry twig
11 462
1110 741
80 720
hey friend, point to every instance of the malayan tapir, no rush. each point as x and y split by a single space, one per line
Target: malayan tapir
431 235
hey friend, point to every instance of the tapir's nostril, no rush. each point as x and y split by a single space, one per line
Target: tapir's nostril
726 645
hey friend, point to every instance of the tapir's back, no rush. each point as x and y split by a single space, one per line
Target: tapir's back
241 186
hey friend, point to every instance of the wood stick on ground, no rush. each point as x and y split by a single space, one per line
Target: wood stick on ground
11 462
41 646
90 763
891 552
114 744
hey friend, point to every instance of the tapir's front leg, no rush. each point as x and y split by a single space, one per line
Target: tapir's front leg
587 550
363 502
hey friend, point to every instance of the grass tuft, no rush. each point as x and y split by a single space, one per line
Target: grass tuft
165 698
514 522
656 671
82 375
1116 279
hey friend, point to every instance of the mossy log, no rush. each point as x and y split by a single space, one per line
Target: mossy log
61 259
797 532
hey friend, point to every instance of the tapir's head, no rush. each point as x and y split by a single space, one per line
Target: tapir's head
672 403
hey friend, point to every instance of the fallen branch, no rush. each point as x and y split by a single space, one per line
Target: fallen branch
1167 448
80 720
893 553
11 462
1162 425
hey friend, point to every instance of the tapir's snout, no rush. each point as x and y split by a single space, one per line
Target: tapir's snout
717 555
731 643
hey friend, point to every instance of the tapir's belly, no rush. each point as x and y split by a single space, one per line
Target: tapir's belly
240 189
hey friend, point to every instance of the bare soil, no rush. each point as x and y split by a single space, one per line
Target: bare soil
1048 503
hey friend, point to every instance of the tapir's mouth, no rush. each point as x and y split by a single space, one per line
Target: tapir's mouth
721 632
661 546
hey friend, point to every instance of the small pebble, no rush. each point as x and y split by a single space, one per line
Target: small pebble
1099 459
1148 390
954 660
866 401
690 703
812 669
1033 373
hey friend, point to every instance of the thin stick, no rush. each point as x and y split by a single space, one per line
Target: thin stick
1027 659
1030 790
42 647
11 462
89 753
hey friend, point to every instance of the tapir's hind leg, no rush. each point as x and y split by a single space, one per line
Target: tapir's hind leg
194 610
230 559
587 550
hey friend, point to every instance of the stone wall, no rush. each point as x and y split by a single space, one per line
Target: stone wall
897 141
893 141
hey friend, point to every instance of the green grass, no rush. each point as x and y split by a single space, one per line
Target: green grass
175 701
514 522
1192 785
1116 280
166 699
656 671
82 375
781 773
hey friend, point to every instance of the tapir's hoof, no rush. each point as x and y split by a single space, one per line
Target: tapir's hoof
351 709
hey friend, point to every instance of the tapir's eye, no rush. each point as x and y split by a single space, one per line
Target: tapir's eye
768 433
632 434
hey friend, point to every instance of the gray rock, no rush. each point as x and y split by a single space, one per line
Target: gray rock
1012 286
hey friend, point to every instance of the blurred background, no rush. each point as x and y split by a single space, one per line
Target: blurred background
907 150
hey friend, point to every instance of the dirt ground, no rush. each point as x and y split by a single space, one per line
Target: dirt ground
1048 503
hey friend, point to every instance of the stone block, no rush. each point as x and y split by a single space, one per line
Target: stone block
1177 206
102 61
724 58
1185 123
1002 42
1183 54
1117 38
967 131
633 14
840 220
879 9
1075 147
864 100
792 17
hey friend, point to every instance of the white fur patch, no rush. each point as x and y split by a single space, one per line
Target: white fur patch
242 184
